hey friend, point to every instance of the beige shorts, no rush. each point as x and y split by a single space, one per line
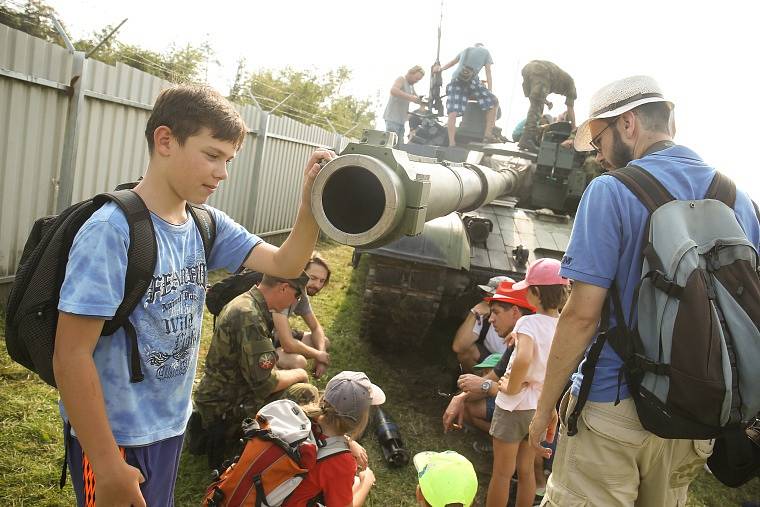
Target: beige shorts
509 425
613 460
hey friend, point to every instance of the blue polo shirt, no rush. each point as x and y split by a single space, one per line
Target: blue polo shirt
608 234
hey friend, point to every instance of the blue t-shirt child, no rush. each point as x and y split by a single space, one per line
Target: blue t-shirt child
168 320
606 241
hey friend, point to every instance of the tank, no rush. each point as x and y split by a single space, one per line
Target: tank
434 222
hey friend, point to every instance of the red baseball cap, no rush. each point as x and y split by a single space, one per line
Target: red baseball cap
506 294
542 272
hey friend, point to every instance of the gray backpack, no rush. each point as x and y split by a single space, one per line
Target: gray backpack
692 358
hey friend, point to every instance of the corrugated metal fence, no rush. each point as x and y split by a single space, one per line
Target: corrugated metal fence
71 127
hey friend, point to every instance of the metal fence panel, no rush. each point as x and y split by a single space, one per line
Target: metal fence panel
234 195
112 147
32 117
289 146
262 191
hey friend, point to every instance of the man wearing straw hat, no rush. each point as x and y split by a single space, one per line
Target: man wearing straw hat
612 459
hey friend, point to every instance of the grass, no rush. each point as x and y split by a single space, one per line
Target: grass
30 429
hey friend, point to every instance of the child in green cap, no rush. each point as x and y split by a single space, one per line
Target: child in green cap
445 479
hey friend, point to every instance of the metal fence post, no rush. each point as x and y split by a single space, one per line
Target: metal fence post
258 161
71 134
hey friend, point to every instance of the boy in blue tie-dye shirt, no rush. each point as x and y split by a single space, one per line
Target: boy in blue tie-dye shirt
126 437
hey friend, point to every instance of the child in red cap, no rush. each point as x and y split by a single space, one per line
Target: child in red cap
520 387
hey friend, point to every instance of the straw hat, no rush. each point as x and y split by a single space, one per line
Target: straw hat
615 99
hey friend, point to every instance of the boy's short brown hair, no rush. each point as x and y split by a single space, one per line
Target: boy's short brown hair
186 109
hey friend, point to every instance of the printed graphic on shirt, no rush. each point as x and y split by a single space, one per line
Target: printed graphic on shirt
173 297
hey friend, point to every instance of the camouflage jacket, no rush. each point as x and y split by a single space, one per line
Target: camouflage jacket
239 374
558 80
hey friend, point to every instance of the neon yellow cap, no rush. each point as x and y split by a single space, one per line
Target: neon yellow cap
446 477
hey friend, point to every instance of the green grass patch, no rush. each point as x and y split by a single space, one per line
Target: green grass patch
31 436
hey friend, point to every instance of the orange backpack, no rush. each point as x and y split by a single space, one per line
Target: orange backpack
279 451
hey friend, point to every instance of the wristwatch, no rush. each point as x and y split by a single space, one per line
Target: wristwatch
486 385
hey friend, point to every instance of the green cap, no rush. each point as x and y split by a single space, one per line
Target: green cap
446 477
299 283
490 361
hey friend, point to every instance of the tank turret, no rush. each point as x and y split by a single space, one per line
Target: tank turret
372 194
436 221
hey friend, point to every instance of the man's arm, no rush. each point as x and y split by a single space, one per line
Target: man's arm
465 337
288 260
448 65
471 391
471 385
570 115
489 80
575 330
396 91
291 345
82 396
317 331
286 378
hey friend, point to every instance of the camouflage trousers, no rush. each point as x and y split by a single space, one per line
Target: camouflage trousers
538 89
220 439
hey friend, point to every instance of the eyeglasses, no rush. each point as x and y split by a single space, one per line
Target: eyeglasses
296 289
595 139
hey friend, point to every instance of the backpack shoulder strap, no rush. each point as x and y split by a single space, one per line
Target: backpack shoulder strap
332 446
644 186
204 220
141 262
142 253
484 328
723 189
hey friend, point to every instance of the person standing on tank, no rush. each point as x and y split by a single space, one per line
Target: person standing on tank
466 83
401 95
540 78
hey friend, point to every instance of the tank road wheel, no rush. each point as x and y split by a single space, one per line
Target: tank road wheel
401 300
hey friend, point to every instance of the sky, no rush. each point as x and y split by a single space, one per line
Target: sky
699 52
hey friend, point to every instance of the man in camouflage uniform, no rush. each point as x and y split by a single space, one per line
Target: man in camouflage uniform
540 78
240 374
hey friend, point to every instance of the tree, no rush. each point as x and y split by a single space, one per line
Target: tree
35 18
306 96
179 65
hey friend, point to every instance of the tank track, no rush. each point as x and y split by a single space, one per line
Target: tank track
401 300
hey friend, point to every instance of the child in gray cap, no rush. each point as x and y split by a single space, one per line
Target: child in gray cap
343 411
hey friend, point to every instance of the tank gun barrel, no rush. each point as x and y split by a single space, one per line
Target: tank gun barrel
372 194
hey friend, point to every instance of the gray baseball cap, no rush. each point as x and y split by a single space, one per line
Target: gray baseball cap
493 283
351 394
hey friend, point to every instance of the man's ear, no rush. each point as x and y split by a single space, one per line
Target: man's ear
628 123
163 140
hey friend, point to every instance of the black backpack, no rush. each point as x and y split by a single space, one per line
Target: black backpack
32 309
224 291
